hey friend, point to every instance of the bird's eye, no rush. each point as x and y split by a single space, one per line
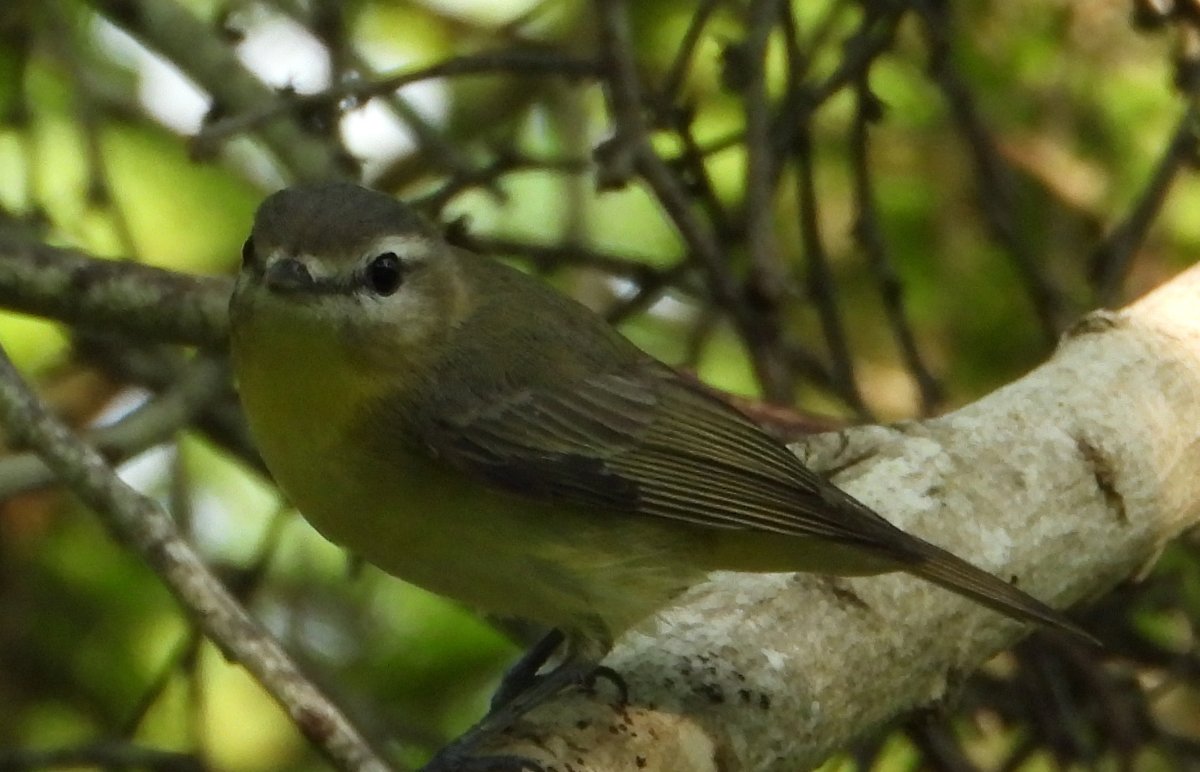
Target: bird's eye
248 252
385 273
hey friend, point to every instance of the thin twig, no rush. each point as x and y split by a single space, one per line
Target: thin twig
673 80
432 145
157 368
174 31
141 524
996 197
767 275
544 257
487 177
821 289
154 422
873 37
1110 261
181 657
624 92
692 168
519 61
870 237
86 109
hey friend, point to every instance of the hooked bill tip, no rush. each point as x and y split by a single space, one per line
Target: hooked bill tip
287 274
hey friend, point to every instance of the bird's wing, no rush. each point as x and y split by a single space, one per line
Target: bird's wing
646 442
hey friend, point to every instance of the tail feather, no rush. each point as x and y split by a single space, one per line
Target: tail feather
957 575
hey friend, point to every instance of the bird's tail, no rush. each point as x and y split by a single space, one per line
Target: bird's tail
957 575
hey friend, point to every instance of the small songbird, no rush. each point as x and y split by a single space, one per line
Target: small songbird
464 427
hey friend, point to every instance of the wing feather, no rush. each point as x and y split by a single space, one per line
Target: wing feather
646 442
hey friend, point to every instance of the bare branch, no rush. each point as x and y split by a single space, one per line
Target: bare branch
996 197
153 423
139 301
144 527
1111 259
821 289
869 233
169 28
525 61
759 333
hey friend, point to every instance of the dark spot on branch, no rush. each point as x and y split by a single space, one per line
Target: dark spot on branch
1105 476
711 692
315 725
1095 322
843 593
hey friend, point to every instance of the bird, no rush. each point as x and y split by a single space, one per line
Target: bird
463 426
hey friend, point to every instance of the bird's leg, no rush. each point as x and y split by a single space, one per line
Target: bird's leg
524 672
528 690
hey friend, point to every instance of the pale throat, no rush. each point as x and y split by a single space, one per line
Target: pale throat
299 385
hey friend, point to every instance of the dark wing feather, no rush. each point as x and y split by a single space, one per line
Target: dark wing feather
647 442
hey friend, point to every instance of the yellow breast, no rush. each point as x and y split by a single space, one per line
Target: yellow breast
425 522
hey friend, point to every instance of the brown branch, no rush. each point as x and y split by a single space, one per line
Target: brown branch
869 233
673 81
768 276
514 61
157 368
139 301
143 526
488 177
873 37
1110 261
691 167
171 29
545 257
821 286
995 193
633 149
154 422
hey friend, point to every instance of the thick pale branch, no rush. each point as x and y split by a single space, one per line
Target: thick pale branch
1068 481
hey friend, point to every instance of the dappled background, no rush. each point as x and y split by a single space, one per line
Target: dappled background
830 211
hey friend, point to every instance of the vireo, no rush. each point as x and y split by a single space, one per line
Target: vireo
466 428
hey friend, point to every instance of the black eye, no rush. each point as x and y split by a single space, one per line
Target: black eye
248 252
385 273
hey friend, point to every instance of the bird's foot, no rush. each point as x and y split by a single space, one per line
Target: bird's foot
522 689
613 677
